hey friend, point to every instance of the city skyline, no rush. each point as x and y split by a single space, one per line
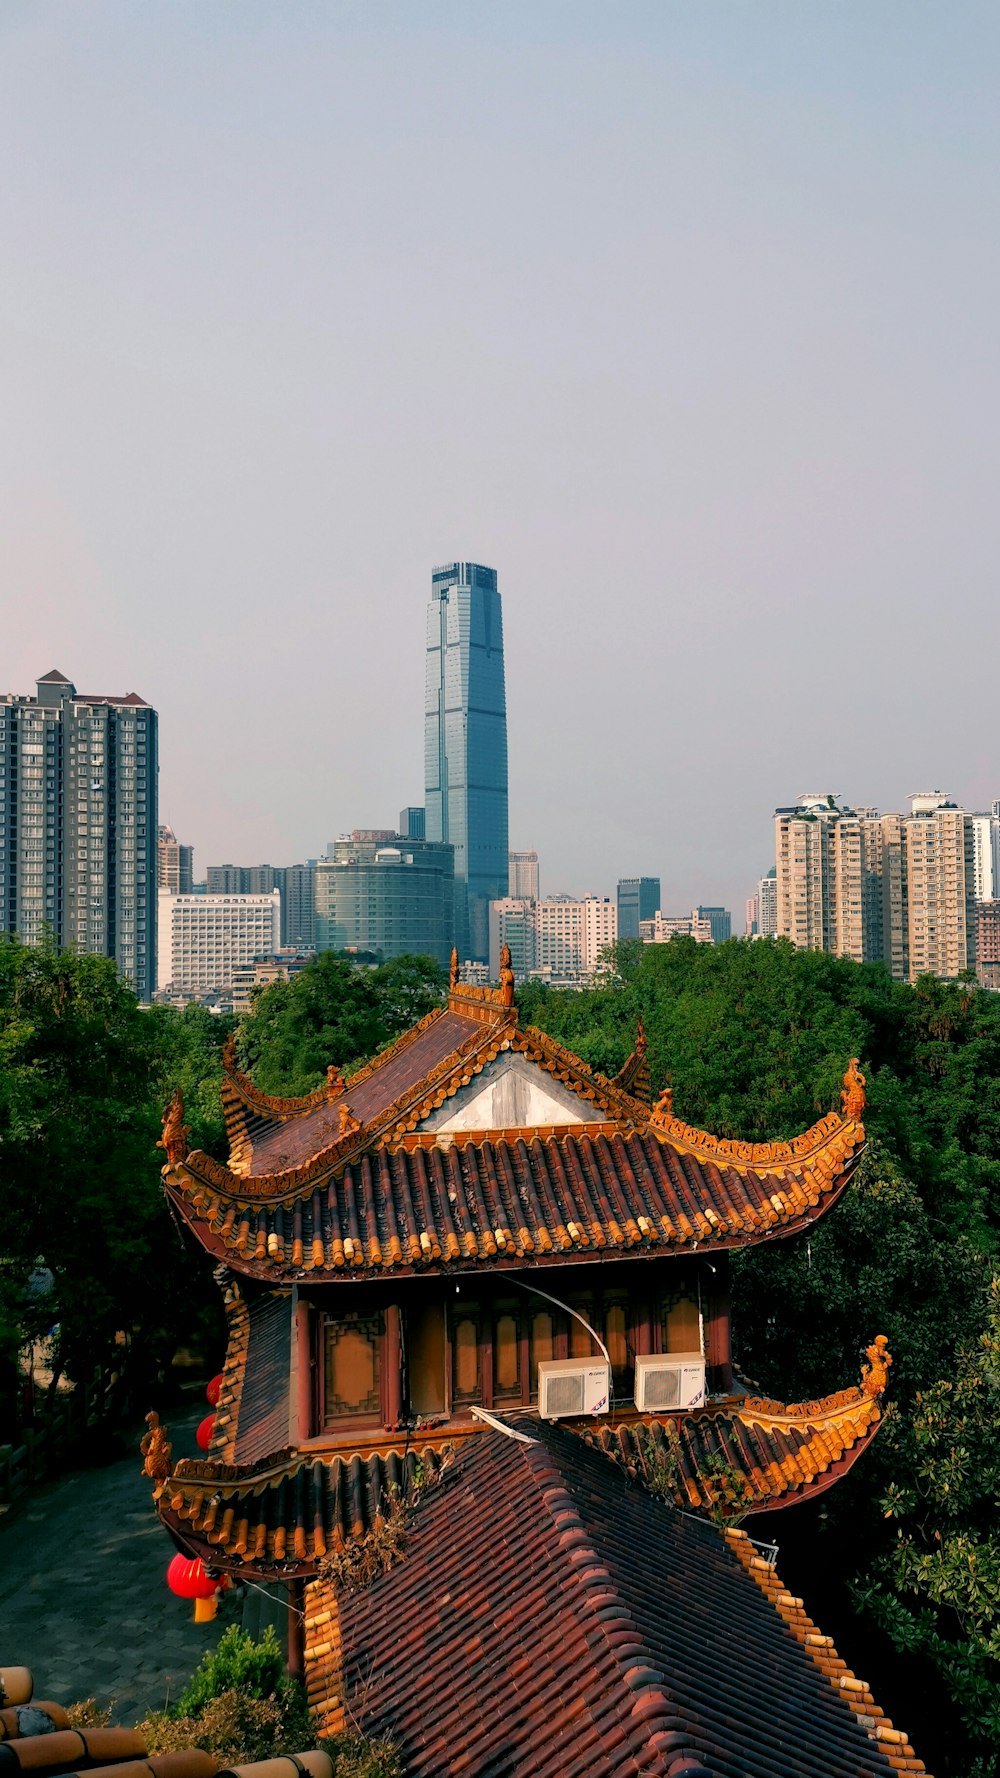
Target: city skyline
234 449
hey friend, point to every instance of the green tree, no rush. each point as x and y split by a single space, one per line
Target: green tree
333 1011
88 1245
937 1587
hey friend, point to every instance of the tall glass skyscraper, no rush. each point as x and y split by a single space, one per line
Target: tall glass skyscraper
465 742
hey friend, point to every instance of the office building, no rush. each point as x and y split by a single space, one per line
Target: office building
78 823
465 743
295 885
638 900
893 888
512 923
719 919
385 895
174 863
522 868
663 927
205 939
413 824
572 936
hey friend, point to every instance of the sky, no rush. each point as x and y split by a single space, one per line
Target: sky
682 317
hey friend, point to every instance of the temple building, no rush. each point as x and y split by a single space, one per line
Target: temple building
479 1335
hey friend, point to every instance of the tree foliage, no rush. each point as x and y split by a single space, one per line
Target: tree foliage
333 1011
88 1246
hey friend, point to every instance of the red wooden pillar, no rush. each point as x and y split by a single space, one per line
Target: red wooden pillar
303 1373
296 1629
393 1367
718 1334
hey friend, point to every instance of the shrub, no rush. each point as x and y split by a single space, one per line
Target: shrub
236 1664
87 1713
235 1727
355 1756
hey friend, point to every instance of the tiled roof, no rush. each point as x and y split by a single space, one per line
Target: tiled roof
285 1512
750 1458
548 1620
518 1197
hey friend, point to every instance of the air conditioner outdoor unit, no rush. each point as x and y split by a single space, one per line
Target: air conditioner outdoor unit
573 1386
669 1382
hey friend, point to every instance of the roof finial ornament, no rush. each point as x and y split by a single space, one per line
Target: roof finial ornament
875 1374
453 969
641 1040
663 1110
156 1450
506 977
334 1081
349 1124
175 1130
229 1053
852 1095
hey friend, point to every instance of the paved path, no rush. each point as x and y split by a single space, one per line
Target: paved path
83 1596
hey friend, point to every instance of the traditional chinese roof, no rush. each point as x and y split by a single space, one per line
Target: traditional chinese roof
545 1617
751 1458
280 1512
351 1181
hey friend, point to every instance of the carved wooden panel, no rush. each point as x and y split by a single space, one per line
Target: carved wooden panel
353 1350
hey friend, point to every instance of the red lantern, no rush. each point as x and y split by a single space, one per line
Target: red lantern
203 1436
187 1578
214 1390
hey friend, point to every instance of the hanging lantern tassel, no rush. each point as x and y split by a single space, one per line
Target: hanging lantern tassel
187 1578
203 1436
213 1391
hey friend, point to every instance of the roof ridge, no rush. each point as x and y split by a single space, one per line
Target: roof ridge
655 1716
891 1742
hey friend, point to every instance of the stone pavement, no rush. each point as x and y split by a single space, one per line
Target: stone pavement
83 1596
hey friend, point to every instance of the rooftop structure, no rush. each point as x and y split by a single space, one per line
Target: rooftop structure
425 1265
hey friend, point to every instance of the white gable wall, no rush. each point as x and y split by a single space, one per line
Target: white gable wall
511 1092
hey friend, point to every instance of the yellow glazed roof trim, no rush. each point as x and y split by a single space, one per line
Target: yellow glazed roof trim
891 1742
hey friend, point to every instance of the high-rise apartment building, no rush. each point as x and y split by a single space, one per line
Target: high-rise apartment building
174 863
78 823
767 905
204 940
465 742
638 900
986 849
896 888
380 893
522 870
988 944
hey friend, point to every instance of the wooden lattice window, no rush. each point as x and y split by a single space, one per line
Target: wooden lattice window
352 1368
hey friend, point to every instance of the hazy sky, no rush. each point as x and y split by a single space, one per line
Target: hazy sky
682 316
